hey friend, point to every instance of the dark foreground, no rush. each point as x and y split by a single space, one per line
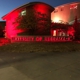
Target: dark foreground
40 61
41 47
40 66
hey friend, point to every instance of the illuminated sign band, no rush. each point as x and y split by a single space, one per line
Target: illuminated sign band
40 39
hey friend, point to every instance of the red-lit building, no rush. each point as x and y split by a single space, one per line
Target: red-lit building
39 8
66 13
60 17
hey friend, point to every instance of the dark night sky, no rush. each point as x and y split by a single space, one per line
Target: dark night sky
8 5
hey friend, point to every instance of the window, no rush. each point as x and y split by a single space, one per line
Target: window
56 10
23 12
61 9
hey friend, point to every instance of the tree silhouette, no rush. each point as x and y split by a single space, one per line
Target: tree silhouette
76 26
1 32
34 23
27 22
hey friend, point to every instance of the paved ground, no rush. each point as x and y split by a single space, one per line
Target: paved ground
40 66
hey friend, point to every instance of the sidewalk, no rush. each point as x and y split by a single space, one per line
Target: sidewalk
41 66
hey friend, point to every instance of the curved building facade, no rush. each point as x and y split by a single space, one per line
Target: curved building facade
42 10
66 13
44 14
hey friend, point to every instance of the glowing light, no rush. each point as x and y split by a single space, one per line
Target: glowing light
4 41
56 19
41 8
54 32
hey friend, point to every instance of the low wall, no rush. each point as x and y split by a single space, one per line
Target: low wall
40 39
